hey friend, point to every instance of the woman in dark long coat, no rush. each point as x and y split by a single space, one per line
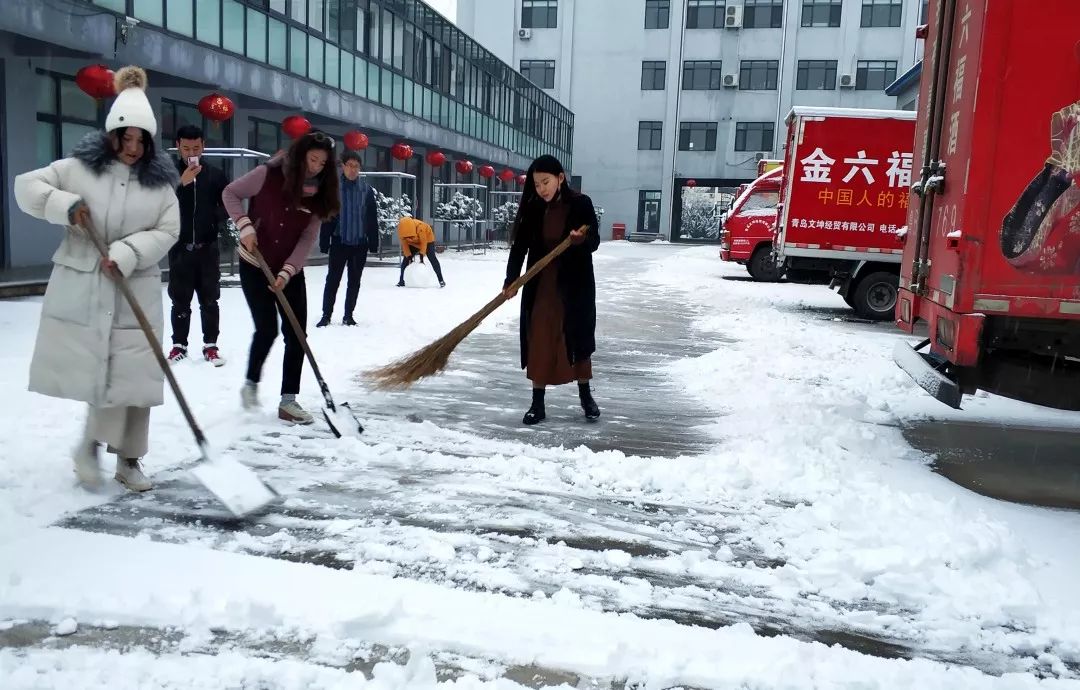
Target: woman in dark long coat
558 307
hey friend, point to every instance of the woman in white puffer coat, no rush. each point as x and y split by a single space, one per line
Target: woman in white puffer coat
89 346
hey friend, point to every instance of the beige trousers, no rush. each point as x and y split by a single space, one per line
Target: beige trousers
126 430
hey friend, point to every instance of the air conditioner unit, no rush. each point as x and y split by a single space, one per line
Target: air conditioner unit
731 81
847 81
733 17
524 34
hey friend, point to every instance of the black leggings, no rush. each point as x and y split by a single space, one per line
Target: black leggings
264 313
431 255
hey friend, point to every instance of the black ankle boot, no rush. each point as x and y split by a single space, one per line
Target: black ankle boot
592 410
323 322
536 413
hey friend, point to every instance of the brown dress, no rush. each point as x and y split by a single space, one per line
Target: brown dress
548 364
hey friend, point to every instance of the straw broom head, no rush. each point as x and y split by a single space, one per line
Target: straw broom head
432 359
426 361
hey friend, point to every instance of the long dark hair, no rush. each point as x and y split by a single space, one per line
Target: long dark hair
326 202
532 204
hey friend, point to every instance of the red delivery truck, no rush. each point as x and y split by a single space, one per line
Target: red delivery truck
991 261
747 236
844 199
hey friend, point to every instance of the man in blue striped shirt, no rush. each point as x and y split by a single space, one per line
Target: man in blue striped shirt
348 237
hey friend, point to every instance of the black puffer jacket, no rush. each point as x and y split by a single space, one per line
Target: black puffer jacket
202 215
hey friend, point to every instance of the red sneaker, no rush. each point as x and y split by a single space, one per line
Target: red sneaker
210 354
177 354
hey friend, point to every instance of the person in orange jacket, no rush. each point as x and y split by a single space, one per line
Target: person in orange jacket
417 239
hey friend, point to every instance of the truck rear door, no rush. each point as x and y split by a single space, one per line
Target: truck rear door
847 181
996 230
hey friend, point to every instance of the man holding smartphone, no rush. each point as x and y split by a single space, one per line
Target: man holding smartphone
194 262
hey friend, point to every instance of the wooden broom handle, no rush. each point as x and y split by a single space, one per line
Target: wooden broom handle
290 315
529 275
151 337
542 263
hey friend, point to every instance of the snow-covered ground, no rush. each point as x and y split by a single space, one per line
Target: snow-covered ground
797 542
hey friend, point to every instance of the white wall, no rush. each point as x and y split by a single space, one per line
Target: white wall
599 46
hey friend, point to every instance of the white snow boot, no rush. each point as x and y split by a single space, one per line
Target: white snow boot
249 396
290 411
87 463
130 474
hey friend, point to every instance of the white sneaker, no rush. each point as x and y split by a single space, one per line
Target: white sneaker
131 475
87 464
292 412
249 396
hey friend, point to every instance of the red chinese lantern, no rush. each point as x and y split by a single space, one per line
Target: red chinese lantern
464 167
522 179
216 107
691 183
295 126
507 175
436 159
356 141
96 81
401 152
486 171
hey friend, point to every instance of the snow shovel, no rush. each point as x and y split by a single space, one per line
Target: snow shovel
340 418
234 484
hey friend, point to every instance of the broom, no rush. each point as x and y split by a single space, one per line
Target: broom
432 359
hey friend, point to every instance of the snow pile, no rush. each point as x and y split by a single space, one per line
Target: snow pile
868 522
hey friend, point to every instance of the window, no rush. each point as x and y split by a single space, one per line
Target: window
264 136
697 136
539 72
539 14
754 136
758 75
763 14
924 12
653 75
64 115
180 17
657 14
874 75
760 201
649 210
650 135
881 12
705 14
821 12
701 75
816 75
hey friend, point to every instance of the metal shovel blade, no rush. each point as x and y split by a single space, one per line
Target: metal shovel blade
343 421
234 484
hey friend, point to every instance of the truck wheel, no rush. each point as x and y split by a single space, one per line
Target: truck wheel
762 267
875 296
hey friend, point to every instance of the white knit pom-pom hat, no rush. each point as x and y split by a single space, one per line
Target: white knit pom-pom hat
131 107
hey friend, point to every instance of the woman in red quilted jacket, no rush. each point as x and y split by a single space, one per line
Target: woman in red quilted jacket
288 200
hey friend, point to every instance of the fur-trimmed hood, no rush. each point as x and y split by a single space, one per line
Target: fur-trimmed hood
95 151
